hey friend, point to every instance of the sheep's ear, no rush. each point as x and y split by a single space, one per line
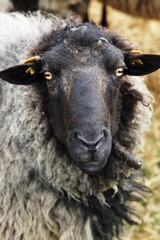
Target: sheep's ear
141 64
24 74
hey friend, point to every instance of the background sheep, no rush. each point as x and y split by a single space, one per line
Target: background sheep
39 180
140 8
58 7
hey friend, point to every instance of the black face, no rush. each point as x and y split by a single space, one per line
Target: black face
83 66
86 74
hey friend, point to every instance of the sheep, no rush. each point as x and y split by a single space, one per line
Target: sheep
28 5
65 8
140 8
60 8
74 110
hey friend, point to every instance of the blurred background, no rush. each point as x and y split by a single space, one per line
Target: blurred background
139 21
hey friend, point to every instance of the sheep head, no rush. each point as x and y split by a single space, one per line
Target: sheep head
84 71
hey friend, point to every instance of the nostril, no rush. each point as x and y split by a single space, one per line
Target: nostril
77 135
104 133
92 145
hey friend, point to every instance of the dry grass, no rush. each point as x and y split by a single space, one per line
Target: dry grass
147 35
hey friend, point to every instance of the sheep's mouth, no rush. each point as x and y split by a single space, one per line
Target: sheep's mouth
92 167
91 159
91 163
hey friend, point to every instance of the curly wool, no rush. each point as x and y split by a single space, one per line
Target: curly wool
43 194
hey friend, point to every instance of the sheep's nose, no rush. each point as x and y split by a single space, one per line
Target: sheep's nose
93 144
90 147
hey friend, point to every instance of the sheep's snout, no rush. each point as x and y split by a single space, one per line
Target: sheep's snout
90 149
92 145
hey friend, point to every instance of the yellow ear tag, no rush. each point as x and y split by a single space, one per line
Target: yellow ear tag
30 70
135 52
137 61
32 59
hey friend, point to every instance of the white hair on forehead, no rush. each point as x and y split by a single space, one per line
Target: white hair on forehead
83 28
103 39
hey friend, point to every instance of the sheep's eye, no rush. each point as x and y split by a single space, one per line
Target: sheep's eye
119 72
48 75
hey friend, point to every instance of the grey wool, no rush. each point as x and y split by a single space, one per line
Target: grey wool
44 195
